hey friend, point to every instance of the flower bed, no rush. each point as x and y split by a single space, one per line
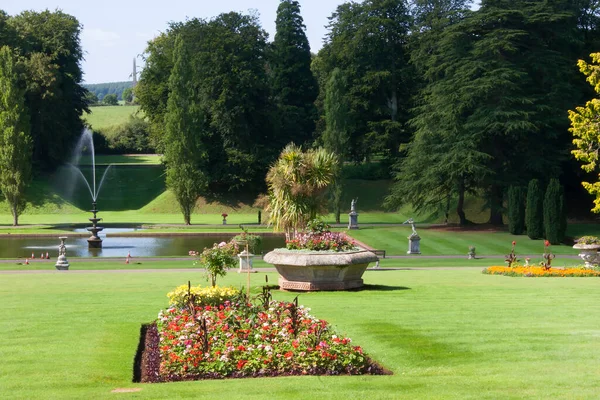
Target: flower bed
534 271
244 340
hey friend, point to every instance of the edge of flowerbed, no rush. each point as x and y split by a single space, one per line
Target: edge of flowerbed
147 363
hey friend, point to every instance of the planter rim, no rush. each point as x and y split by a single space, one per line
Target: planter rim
586 246
314 258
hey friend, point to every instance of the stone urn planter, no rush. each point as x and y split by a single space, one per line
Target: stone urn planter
588 253
320 270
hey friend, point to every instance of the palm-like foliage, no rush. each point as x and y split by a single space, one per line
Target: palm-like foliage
297 183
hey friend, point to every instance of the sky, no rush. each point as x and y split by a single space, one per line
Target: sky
114 32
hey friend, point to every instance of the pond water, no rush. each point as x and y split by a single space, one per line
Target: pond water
119 246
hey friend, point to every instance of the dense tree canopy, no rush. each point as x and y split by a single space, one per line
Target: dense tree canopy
293 84
15 140
49 55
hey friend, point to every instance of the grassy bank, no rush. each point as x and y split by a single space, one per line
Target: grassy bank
444 334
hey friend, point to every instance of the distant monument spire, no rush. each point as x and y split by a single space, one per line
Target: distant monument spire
134 73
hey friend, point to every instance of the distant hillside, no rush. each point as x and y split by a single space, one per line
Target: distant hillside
102 89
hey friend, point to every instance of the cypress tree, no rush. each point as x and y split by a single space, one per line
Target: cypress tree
553 212
183 122
15 139
534 216
516 210
336 135
294 85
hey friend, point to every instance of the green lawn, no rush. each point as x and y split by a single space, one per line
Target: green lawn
107 116
445 335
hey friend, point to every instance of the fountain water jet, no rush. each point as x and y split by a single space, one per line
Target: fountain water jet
94 242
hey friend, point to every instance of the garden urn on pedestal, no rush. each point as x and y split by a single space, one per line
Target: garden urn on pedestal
320 270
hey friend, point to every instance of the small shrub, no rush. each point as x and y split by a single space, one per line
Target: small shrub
553 212
588 240
201 296
516 210
254 241
534 215
217 259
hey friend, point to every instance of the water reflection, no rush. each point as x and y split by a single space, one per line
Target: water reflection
164 246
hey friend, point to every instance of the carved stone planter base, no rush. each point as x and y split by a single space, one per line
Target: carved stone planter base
284 284
313 271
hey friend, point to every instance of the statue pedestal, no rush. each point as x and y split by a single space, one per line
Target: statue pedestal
414 244
353 220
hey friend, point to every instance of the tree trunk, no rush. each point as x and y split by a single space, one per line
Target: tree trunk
337 215
213 280
462 218
15 216
496 206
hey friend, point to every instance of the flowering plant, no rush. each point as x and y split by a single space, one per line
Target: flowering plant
540 271
512 258
201 296
242 340
547 256
224 215
217 259
588 240
319 238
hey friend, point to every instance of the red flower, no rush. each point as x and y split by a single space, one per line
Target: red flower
241 363
224 215
514 243
546 243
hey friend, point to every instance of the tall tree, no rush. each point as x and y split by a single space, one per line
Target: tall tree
183 155
293 84
368 42
15 140
49 47
336 135
584 127
227 56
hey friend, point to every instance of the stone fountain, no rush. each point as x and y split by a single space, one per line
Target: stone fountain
94 242
86 141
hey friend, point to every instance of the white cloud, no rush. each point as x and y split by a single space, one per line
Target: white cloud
104 38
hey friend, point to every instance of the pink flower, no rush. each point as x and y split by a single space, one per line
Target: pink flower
222 244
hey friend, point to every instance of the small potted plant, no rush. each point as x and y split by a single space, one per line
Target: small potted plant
224 215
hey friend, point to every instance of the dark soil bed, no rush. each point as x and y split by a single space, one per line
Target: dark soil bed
147 362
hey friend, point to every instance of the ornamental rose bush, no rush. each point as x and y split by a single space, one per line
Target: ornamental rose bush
217 259
246 340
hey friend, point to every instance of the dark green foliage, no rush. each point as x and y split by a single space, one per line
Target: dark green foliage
336 136
184 156
130 137
15 140
238 136
553 212
110 100
102 89
91 98
516 209
50 56
534 217
292 82
127 95
368 43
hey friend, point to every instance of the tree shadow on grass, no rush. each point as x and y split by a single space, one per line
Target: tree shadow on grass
381 288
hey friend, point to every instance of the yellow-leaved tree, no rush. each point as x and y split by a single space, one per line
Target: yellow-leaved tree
585 127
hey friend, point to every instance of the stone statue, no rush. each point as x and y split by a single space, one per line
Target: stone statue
353 205
412 225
